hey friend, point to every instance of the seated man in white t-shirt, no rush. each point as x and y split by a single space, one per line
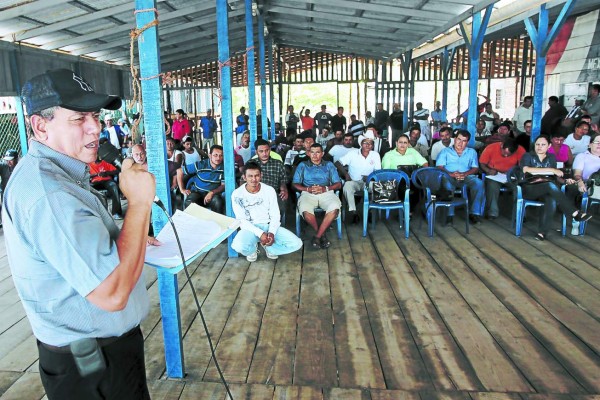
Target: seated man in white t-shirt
446 140
579 140
361 162
255 205
340 150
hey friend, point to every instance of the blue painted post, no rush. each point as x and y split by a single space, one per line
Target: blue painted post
474 43
226 108
447 59
406 62
250 72
157 164
542 39
271 94
262 74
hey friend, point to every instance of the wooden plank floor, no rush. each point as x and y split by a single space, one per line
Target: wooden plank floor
484 316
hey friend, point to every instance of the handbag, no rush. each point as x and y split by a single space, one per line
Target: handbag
593 185
533 179
385 192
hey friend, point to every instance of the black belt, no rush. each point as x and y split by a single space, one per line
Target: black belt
102 342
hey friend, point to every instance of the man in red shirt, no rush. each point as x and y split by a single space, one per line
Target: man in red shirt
307 121
181 126
495 161
101 178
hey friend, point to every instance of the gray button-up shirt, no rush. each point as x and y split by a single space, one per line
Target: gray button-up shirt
61 244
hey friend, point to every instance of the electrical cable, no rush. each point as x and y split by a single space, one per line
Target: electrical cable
159 203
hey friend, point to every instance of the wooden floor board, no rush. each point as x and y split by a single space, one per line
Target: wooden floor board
494 369
273 360
238 340
445 362
535 303
576 253
401 362
357 355
216 308
484 316
537 364
315 361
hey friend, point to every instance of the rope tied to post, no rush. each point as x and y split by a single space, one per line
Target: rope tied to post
134 34
226 63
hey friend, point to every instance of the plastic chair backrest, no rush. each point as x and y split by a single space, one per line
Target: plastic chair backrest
388 175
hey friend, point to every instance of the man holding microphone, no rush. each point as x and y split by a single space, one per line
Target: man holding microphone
77 274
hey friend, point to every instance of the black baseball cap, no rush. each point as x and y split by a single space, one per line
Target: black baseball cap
64 88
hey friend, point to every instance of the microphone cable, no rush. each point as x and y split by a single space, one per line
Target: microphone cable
159 203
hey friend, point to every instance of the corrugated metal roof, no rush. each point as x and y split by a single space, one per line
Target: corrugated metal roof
99 29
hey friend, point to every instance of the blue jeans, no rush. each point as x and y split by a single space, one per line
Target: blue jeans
286 242
476 192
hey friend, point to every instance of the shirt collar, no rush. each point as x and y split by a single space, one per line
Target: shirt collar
75 169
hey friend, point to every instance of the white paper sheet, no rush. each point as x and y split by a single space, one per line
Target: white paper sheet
194 233
499 177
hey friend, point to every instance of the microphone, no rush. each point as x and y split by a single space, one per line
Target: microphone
109 153
159 203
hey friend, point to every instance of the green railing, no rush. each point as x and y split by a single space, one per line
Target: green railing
9 133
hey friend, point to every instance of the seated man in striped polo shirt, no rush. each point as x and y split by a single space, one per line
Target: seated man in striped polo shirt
206 182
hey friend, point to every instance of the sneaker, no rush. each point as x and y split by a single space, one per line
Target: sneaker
575 228
268 254
117 217
253 257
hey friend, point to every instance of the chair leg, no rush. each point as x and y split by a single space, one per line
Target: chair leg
431 220
365 220
406 221
519 219
339 226
298 223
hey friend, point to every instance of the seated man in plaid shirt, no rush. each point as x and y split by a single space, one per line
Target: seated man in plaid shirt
273 172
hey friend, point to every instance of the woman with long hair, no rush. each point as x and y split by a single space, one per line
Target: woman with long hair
540 163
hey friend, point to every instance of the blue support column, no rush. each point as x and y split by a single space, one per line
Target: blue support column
447 60
542 39
474 43
262 75
406 60
250 72
226 108
157 164
271 94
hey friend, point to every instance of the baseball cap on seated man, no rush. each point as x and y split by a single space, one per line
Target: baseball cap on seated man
66 89
10 155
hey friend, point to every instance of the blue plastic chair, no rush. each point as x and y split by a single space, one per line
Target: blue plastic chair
586 202
429 179
318 209
521 204
403 206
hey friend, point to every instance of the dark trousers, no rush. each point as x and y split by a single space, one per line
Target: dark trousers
552 196
113 192
123 379
217 204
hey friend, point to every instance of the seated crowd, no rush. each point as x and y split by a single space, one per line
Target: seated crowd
321 163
